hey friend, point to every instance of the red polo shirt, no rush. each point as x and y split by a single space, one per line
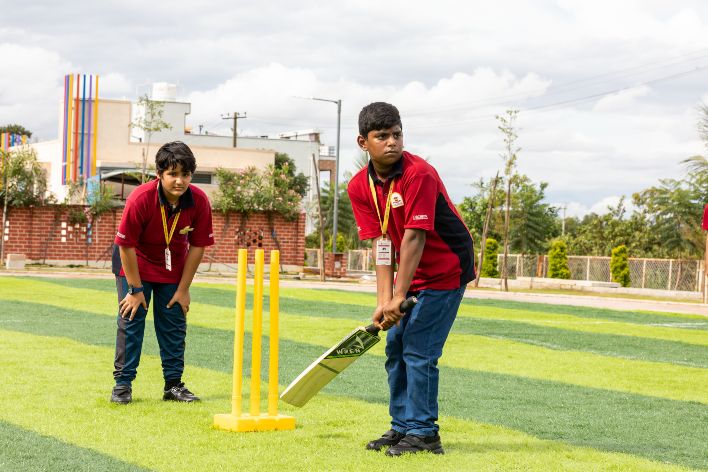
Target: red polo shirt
419 200
141 228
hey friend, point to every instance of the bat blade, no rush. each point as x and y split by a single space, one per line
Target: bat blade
335 360
328 366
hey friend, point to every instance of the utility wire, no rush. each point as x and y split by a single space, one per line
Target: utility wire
564 103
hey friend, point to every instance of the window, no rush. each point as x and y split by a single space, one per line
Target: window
201 178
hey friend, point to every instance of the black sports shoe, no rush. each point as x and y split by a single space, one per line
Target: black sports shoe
180 393
122 394
389 438
412 444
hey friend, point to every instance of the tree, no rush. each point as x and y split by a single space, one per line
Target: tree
506 126
534 222
16 129
485 228
24 181
674 209
702 124
347 232
619 266
297 182
361 161
491 255
149 122
251 191
558 260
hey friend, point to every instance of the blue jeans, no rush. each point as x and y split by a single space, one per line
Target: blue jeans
412 353
170 328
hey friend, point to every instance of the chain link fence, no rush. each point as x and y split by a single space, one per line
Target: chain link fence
665 274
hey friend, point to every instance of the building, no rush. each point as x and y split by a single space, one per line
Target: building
96 139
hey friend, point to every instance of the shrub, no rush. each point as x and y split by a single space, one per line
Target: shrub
619 265
489 264
558 260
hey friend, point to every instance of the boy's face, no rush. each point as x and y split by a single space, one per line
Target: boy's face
174 182
385 146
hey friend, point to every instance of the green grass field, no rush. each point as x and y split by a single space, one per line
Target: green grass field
523 387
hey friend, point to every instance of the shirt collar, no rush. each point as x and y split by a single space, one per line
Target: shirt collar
186 200
396 171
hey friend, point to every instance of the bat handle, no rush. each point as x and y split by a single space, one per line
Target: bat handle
407 305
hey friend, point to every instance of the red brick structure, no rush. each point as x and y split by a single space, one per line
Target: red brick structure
328 165
335 264
48 234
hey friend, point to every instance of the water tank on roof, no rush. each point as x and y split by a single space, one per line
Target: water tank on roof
164 92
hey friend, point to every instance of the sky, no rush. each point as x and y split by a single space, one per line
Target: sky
607 91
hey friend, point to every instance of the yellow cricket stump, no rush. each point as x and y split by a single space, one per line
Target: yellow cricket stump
254 420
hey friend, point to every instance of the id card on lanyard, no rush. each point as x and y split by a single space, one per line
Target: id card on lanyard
384 247
168 236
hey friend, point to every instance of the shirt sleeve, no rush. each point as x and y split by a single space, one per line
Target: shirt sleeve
421 194
203 233
367 220
131 224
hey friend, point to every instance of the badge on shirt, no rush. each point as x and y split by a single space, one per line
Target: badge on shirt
383 252
168 259
396 200
186 230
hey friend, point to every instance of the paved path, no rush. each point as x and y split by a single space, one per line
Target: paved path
370 287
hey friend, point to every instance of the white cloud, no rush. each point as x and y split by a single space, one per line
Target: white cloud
31 86
115 85
623 100
449 70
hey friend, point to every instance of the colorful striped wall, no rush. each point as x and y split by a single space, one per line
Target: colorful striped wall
8 140
80 116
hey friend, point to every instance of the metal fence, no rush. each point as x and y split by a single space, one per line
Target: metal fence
360 260
666 274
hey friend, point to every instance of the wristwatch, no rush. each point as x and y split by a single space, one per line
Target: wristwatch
133 290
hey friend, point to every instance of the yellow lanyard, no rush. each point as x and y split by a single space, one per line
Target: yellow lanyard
384 223
168 237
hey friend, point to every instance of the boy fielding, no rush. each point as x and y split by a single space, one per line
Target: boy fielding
161 238
400 202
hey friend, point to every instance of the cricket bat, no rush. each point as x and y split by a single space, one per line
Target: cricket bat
334 361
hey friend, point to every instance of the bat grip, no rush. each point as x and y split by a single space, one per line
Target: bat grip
406 306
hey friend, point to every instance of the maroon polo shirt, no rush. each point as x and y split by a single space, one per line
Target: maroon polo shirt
419 200
141 228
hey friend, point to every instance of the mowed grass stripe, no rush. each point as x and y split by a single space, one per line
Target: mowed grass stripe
463 351
179 436
613 339
625 346
616 421
676 332
333 300
328 437
678 320
25 450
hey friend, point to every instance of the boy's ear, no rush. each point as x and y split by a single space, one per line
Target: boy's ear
361 141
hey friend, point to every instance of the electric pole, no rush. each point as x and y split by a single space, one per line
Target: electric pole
234 116
565 207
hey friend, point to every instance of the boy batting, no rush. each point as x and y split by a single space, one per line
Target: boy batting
401 204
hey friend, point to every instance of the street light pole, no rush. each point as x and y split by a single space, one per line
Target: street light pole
336 179
335 210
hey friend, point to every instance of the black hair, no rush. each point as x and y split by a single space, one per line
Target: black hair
172 154
378 115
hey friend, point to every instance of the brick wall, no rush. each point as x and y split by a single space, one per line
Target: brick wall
44 234
326 164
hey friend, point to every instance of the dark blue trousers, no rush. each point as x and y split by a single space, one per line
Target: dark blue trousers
412 352
170 327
